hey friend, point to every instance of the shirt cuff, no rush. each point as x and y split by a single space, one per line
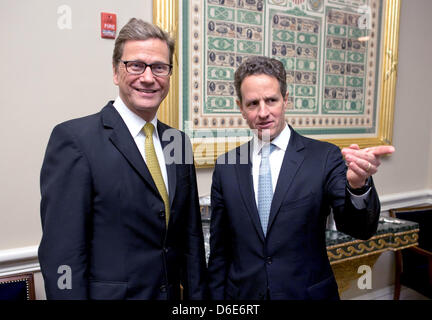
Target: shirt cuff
360 201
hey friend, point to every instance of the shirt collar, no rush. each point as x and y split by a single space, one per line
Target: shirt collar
134 122
281 141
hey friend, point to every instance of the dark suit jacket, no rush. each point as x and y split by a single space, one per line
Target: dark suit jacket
291 261
103 217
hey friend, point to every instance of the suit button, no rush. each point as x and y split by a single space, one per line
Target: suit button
162 214
163 288
165 249
269 260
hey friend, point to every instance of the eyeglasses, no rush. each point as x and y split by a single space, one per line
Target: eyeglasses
139 67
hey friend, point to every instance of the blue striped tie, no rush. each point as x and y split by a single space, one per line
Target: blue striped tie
265 189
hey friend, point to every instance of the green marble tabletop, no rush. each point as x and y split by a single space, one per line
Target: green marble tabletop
386 225
392 234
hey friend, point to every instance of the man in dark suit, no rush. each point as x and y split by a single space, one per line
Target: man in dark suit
120 213
270 199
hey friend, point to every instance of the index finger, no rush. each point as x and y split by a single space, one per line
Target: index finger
381 150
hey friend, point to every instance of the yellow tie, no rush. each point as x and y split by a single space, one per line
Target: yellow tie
154 168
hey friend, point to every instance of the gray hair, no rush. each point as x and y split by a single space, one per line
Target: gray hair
260 65
137 29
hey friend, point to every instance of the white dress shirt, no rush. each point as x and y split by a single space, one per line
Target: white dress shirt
276 159
135 125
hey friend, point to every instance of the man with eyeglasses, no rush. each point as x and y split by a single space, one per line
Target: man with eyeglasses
120 218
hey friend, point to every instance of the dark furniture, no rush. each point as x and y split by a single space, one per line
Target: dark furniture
414 264
17 287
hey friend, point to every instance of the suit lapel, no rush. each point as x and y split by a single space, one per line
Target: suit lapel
123 141
245 184
291 163
171 167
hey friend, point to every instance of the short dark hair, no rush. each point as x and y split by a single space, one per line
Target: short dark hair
137 29
260 65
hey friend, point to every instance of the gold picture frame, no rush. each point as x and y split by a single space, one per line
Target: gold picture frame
166 15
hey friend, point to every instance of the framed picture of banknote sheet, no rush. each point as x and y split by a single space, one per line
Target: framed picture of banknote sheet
340 57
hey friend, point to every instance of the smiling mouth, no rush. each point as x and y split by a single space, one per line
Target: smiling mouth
145 90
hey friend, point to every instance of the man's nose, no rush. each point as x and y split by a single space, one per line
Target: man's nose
147 75
263 110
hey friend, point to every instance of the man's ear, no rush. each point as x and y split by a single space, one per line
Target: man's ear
115 75
239 104
285 99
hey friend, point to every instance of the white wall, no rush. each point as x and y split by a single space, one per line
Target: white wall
48 76
409 168
51 75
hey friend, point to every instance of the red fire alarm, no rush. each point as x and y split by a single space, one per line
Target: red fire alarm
108 25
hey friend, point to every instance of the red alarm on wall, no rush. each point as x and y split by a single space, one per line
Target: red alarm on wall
108 25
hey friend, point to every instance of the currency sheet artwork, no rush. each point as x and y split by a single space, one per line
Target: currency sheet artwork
330 49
